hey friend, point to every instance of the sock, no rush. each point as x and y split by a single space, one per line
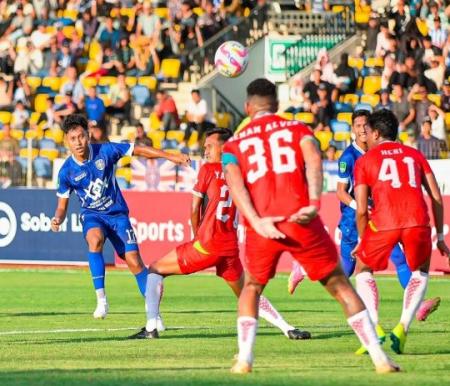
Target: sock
101 296
153 294
97 268
362 326
141 279
368 291
413 296
268 312
399 260
247 327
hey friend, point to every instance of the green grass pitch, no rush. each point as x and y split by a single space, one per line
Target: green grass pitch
48 335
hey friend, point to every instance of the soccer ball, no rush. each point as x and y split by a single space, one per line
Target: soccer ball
231 59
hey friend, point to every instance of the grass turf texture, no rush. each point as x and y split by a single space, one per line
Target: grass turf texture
199 348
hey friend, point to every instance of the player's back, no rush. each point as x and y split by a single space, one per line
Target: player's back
270 158
394 172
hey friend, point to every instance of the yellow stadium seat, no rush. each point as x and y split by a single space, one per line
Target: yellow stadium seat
124 161
305 117
403 136
286 115
337 8
34 82
34 117
422 26
107 80
17 134
89 82
374 62
435 98
155 122
447 120
94 49
54 82
339 153
162 12
56 134
362 17
51 154
357 63
198 11
324 138
345 117
177 135
40 103
92 66
342 136
5 117
131 81
372 100
26 154
149 81
193 139
59 99
31 134
351 98
2 134
68 31
105 99
170 68
156 136
222 119
372 84
128 12
70 14
124 173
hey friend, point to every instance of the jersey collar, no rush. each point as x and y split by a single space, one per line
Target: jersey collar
89 158
358 148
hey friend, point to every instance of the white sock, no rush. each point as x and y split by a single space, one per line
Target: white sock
247 327
153 293
365 330
268 312
367 289
413 296
101 296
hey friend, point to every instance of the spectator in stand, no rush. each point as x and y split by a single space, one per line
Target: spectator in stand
445 97
389 69
20 25
347 77
120 98
22 91
73 84
65 58
385 101
166 110
76 46
126 57
325 65
372 35
9 150
412 139
28 60
198 116
436 73
210 21
48 116
317 6
148 26
402 109
429 51
95 108
20 117
50 57
230 10
97 133
401 18
437 117
88 25
66 108
109 35
323 109
436 10
147 60
141 137
310 94
430 146
111 64
40 37
407 74
418 98
383 37
6 93
188 17
438 34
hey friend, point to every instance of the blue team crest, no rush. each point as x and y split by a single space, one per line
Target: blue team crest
100 164
342 166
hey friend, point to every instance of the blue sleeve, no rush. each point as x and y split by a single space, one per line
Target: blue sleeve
346 165
63 188
115 151
229 158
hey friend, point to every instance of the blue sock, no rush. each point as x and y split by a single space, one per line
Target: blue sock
403 271
141 279
97 267
347 261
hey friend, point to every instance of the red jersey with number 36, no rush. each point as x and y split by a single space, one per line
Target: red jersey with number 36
218 220
271 161
394 174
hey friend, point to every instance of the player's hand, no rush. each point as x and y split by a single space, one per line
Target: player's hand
181 159
265 227
443 249
56 222
304 215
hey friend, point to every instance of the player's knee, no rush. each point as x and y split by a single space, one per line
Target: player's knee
134 261
254 286
95 242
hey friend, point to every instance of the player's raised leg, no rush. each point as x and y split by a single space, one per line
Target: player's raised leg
295 277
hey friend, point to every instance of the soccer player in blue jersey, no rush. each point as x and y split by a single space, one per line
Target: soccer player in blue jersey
89 172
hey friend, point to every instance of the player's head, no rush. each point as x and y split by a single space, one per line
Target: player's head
215 139
261 97
76 131
382 125
359 123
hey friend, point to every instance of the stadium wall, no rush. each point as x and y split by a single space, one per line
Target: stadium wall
161 221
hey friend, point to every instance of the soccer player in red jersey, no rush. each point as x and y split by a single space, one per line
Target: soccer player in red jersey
214 223
274 171
393 175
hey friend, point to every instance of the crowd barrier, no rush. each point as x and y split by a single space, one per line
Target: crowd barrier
160 219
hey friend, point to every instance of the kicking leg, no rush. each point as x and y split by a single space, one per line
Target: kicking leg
296 276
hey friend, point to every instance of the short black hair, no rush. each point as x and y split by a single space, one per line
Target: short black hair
262 87
360 113
385 122
73 121
224 134
195 91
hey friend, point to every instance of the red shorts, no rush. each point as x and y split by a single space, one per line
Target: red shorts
376 246
191 260
309 244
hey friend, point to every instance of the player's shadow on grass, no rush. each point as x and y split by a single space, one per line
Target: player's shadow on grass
331 335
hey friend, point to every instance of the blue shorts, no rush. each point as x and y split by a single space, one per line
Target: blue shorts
116 228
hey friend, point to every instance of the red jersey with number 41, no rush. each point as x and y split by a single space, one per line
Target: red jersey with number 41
271 161
394 174
218 220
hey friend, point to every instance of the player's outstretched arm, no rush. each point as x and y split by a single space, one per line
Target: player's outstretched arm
60 213
265 226
150 152
432 188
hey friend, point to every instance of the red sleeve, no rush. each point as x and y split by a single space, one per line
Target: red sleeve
201 186
359 172
424 163
304 131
